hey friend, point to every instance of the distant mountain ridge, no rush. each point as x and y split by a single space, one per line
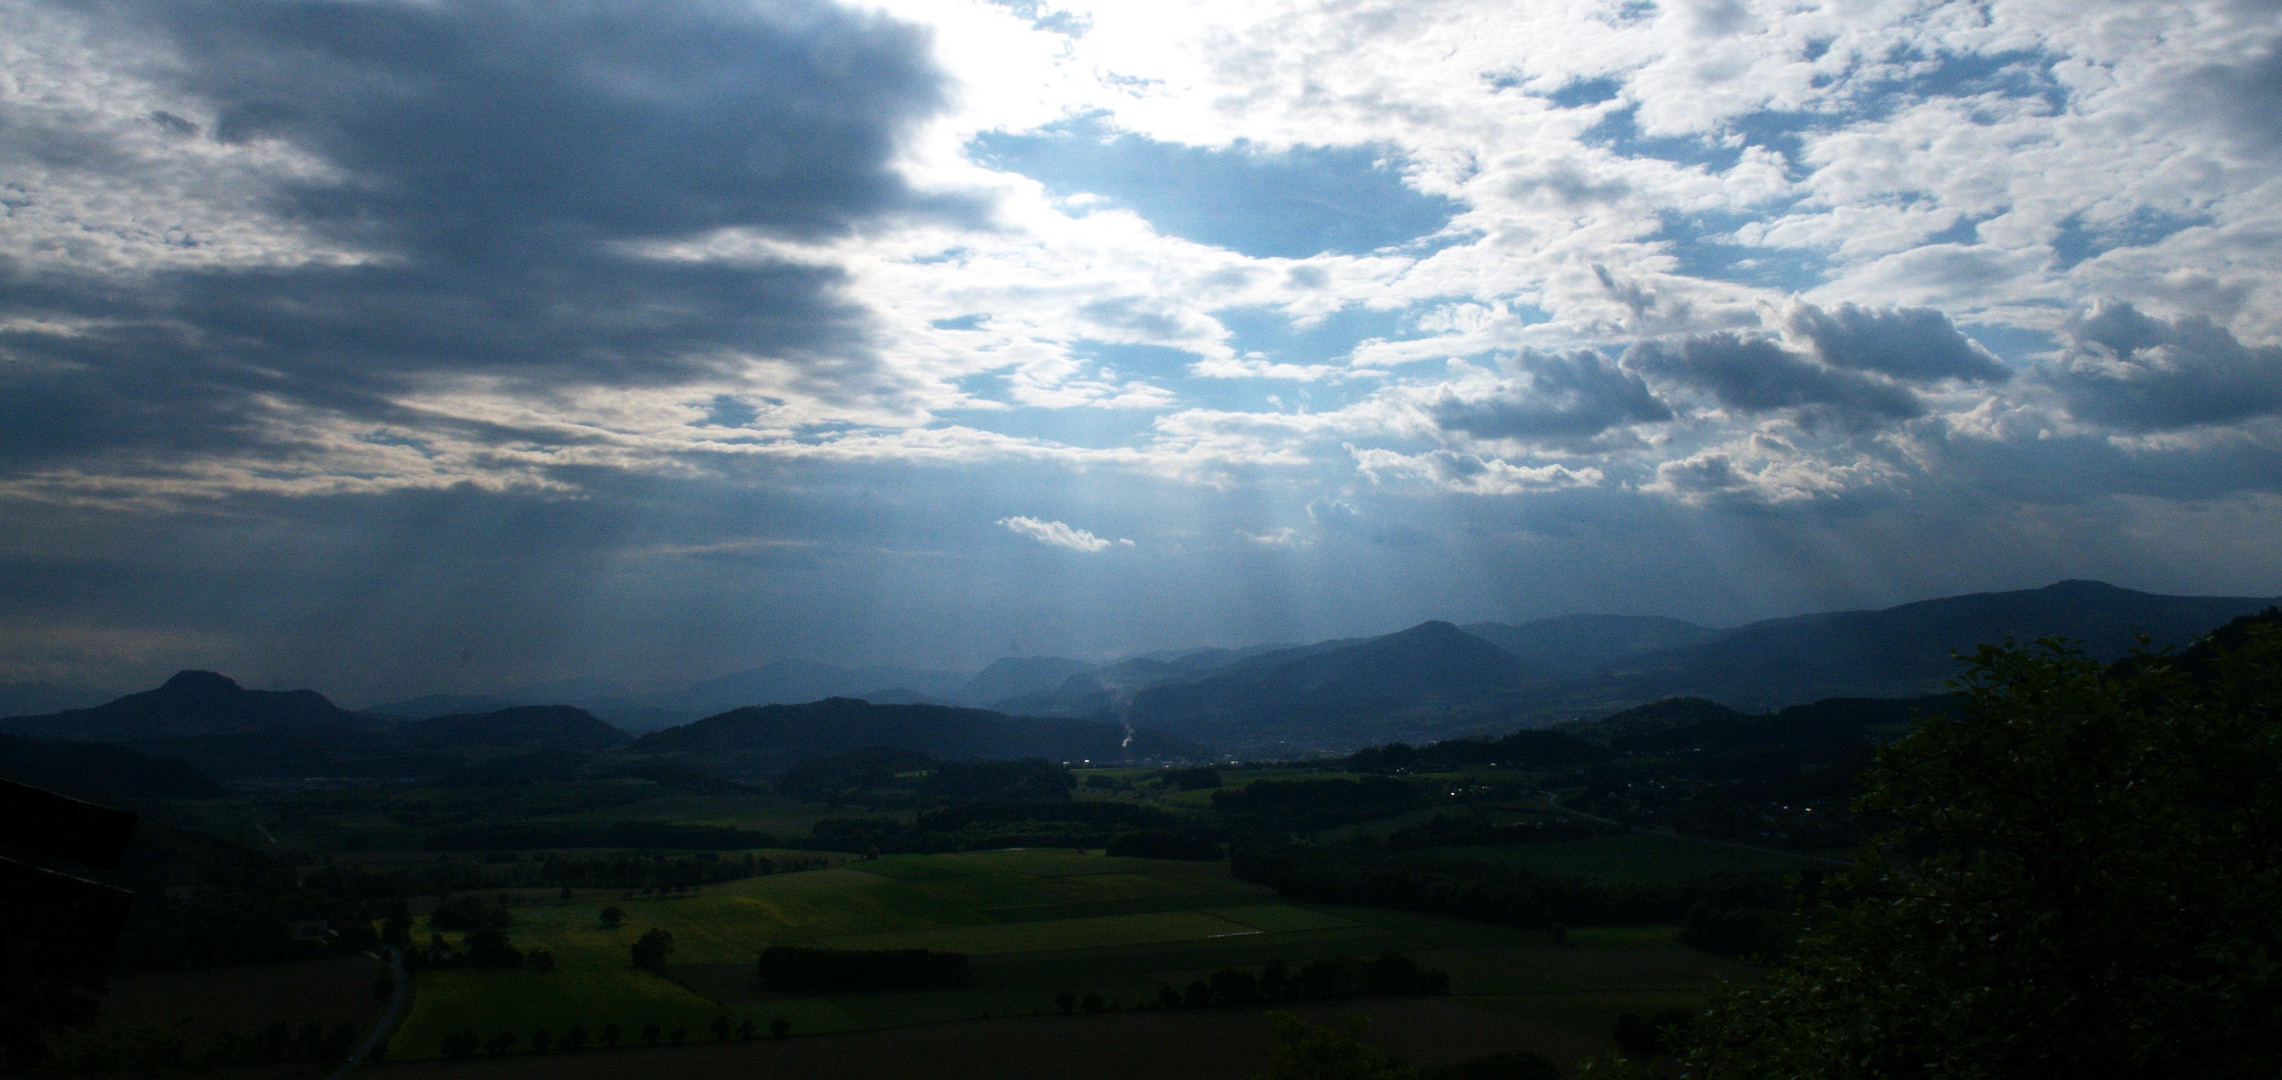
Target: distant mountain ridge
1408 679
223 730
1905 650
765 739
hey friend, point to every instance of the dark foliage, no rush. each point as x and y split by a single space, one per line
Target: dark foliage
1485 892
1311 805
101 772
1164 844
614 834
1198 778
831 971
1534 749
1745 933
1455 830
2076 876
984 826
1508 1065
651 949
869 768
1026 779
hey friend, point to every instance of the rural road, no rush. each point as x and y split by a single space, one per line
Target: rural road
387 1022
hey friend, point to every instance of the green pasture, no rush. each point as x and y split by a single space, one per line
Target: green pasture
1644 858
1036 923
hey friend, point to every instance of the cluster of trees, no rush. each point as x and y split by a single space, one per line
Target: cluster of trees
2076 875
859 775
887 776
168 1050
1487 892
1164 844
466 1042
1306 1052
653 835
1285 806
1457 830
1546 751
1390 974
485 947
988 825
833 971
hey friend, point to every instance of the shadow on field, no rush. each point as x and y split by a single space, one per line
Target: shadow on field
1204 1044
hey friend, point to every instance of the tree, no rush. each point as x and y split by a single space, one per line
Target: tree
612 1034
651 949
720 1029
1306 1052
2077 876
779 1028
612 916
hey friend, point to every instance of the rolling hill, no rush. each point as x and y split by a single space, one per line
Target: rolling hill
765 739
556 727
1428 678
1905 651
1575 645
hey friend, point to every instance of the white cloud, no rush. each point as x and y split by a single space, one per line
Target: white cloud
1057 534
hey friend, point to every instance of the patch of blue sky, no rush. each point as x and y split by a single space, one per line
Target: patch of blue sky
1583 92
2143 227
2015 345
1084 427
963 322
1619 132
1696 240
1271 332
726 411
1291 204
1966 230
2012 73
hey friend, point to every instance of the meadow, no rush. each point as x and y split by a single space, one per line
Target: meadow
1037 923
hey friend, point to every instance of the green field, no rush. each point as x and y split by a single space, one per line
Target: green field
1036 922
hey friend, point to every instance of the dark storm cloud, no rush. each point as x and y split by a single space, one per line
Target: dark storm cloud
499 158
2127 370
1918 344
1755 375
1556 398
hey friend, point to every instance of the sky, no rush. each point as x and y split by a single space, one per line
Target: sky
399 346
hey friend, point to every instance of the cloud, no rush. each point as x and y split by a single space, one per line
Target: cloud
1554 398
1056 534
2128 370
1753 374
451 195
1916 344
1471 475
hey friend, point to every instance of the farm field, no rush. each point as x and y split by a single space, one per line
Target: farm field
1036 923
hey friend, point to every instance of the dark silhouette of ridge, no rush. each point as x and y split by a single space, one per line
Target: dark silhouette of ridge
765 739
101 772
194 703
559 727
1906 650
1377 683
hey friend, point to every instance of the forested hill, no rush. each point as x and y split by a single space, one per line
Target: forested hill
769 738
1908 650
1370 690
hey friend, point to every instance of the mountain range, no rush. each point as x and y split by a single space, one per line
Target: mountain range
1429 681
